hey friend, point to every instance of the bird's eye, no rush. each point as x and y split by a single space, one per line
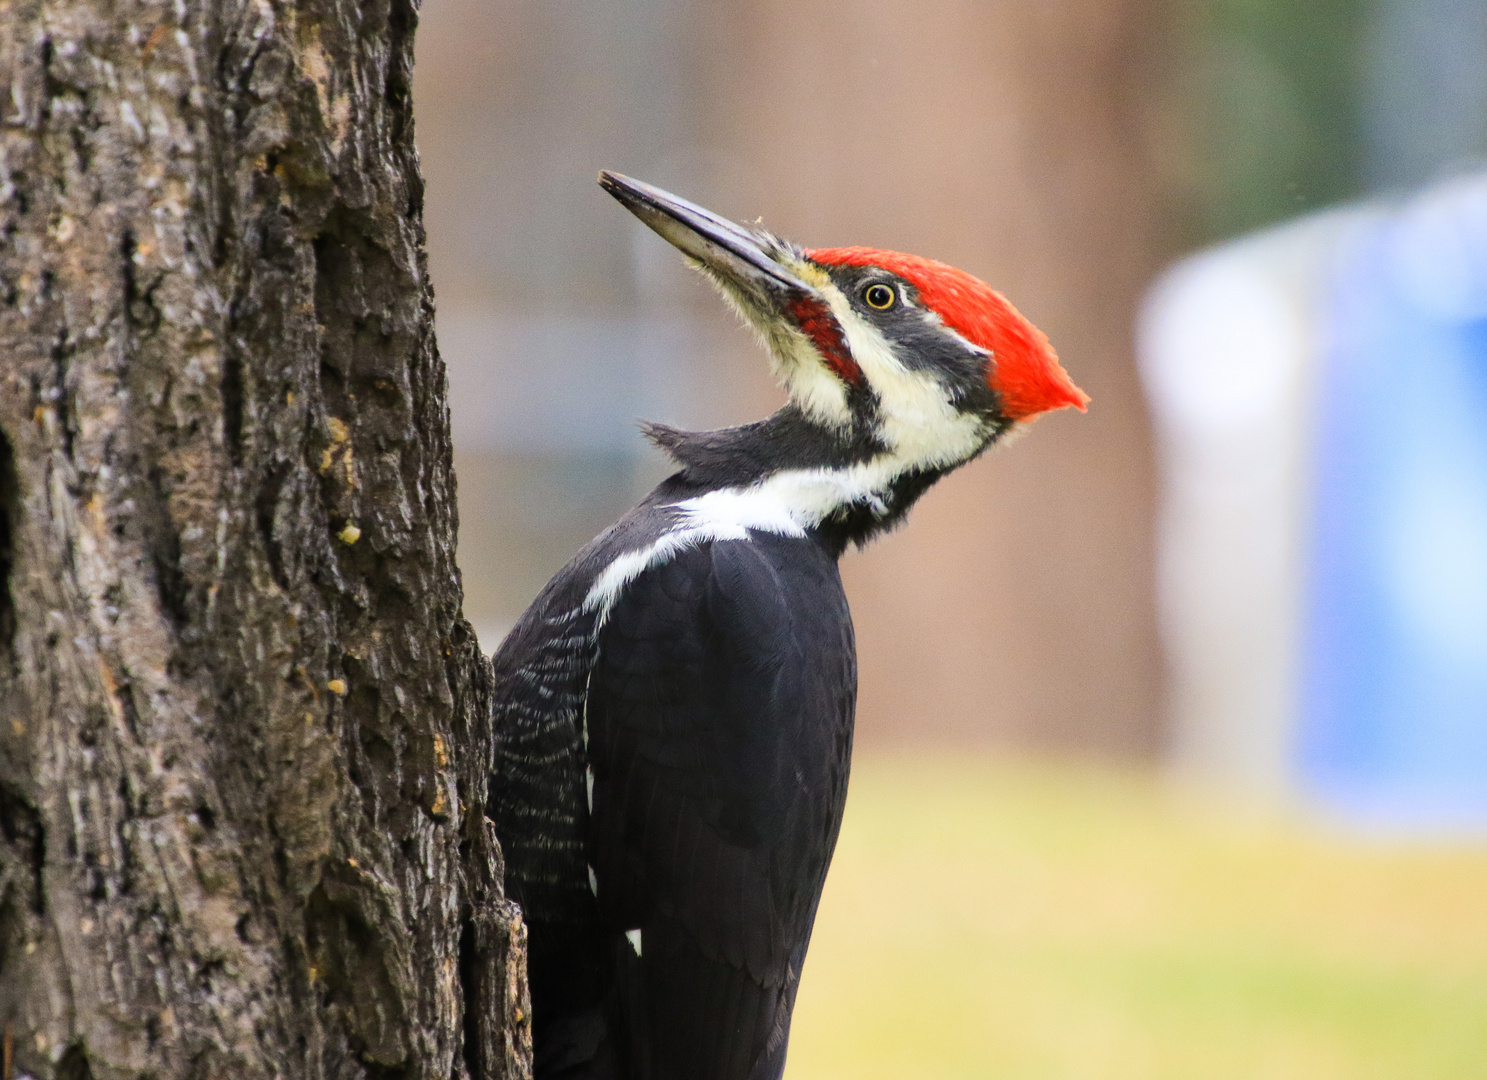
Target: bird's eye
880 297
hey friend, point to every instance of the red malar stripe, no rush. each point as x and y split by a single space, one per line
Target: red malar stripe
820 325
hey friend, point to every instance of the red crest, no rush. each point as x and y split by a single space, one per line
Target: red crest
1024 369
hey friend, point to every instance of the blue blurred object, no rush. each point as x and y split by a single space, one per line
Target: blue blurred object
1393 725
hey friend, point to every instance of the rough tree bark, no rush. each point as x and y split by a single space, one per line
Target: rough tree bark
242 721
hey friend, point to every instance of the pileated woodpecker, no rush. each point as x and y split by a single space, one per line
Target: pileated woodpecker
674 712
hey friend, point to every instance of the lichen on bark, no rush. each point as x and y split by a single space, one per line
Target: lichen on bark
242 721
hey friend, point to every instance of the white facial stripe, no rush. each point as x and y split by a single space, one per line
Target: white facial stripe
920 422
634 938
933 318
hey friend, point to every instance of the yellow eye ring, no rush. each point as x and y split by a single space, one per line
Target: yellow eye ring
879 297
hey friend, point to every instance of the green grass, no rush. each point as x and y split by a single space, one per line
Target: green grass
990 920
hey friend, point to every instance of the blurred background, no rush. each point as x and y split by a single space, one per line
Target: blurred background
1173 716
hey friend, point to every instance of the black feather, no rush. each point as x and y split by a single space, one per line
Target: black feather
720 714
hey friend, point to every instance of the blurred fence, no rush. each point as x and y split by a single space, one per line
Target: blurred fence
1015 608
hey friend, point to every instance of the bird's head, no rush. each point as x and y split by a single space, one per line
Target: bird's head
924 361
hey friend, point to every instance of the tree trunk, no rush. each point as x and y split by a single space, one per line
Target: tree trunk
243 725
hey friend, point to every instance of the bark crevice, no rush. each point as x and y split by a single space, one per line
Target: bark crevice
10 509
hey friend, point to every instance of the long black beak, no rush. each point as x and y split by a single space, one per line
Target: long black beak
731 252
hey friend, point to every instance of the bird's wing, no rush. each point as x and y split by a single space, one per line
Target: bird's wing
719 719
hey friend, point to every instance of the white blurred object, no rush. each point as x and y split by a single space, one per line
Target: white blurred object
1228 341
1440 250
